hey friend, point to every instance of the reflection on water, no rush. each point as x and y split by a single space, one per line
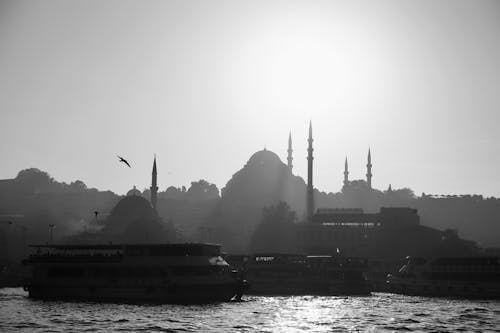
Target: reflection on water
377 313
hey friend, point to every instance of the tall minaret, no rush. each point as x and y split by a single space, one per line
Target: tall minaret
369 170
154 187
290 158
346 173
310 190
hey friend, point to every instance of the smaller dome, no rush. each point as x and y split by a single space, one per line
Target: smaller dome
134 192
129 209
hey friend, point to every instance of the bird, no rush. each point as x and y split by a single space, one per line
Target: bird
123 160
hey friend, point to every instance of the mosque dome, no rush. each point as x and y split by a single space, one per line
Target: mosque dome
265 158
134 192
262 177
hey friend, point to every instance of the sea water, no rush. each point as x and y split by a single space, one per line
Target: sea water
380 312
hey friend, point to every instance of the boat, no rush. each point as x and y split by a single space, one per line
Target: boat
166 273
292 274
467 277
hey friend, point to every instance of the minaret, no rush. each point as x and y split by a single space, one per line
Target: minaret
369 170
154 187
346 173
310 190
290 158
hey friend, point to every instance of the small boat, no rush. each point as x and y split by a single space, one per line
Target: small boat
468 277
292 274
165 273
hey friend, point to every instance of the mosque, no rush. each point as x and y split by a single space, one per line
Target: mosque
391 233
310 189
134 219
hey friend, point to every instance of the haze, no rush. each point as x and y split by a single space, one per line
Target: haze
204 84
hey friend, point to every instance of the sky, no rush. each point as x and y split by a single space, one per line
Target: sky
205 84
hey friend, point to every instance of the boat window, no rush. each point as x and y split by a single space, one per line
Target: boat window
264 258
65 272
194 270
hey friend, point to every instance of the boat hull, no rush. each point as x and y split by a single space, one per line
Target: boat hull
154 294
307 287
433 288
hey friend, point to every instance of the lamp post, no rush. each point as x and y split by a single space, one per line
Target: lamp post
51 230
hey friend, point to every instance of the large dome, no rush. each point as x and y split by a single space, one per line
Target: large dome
263 179
264 157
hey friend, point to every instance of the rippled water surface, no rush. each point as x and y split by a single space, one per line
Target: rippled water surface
377 313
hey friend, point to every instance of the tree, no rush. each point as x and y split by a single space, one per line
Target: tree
276 231
202 190
77 186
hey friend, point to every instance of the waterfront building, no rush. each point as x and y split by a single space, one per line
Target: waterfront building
392 233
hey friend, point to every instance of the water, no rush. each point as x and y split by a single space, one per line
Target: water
378 313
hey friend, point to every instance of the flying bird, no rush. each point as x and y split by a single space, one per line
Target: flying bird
123 160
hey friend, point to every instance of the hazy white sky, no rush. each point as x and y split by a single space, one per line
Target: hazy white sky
204 84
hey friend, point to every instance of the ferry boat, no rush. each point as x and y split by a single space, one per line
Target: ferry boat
167 273
291 274
475 277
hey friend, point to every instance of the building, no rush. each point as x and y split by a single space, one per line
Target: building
390 234
355 217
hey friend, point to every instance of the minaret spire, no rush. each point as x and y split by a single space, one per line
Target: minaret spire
369 170
310 190
154 187
290 158
346 173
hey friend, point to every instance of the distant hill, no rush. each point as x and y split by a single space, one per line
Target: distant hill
33 200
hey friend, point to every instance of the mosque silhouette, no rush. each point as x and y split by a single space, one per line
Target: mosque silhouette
389 234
